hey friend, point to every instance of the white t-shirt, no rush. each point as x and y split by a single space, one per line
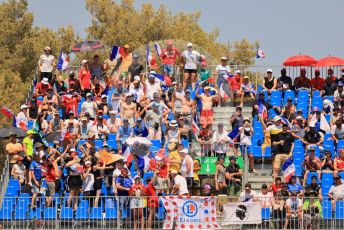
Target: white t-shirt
19 170
46 62
248 197
90 107
191 58
184 167
294 204
223 70
21 118
244 139
181 181
337 191
152 88
266 200
95 129
87 184
138 93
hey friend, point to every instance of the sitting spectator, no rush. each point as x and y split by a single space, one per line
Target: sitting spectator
289 110
284 82
339 163
318 82
100 130
246 133
124 132
312 137
265 197
234 177
330 86
338 94
173 131
154 122
18 171
235 83
336 192
314 186
220 140
42 87
277 186
269 82
248 195
180 186
312 210
140 128
205 139
207 104
294 209
22 117
294 186
327 164
298 128
248 90
338 130
311 163
302 82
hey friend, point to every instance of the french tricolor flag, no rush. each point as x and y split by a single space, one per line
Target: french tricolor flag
116 52
263 111
223 93
63 61
195 128
158 49
260 53
148 55
285 121
288 169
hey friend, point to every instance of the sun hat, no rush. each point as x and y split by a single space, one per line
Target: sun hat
45 81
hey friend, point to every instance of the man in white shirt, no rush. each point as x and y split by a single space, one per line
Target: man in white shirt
152 86
180 185
190 59
89 106
220 140
46 64
21 119
265 197
136 89
336 192
100 130
248 195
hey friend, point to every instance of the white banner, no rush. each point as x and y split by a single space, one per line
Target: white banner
242 213
190 213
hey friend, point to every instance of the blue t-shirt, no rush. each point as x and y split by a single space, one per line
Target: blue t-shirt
125 182
37 170
294 187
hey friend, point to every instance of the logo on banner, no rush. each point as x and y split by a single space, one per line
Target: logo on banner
190 209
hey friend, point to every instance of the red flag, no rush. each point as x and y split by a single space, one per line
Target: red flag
7 112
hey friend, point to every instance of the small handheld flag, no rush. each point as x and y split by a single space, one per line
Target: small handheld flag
63 61
148 55
116 52
158 49
260 53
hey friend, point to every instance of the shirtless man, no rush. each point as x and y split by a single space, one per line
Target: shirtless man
207 104
129 110
187 106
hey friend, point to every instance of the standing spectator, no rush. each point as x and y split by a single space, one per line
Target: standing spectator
277 186
284 81
85 78
312 210
169 56
154 122
123 185
153 86
187 168
190 59
248 195
162 169
72 82
137 191
22 117
35 178
28 150
46 64
207 105
336 192
220 140
74 178
96 68
52 172
266 198
220 178
294 209
43 87
237 120
269 82
223 71
302 82
175 160
98 168
317 82
13 149
88 181
284 149
55 124
246 133
339 163
129 109
294 186
180 186
234 177
125 60
110 70
204 73
135 69
152 202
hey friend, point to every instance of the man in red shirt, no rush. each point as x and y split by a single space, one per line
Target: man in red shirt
317 82
162 163
42 87
85 77
236 83
169 57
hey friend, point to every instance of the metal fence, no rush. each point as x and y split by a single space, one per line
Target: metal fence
133 212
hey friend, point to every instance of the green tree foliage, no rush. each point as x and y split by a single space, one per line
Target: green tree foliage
119 23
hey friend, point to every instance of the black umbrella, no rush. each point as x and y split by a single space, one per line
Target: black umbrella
7 131
86 46
54 136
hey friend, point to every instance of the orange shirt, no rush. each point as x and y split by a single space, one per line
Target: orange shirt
85 78
318 83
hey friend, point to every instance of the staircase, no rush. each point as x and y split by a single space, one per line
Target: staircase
264 176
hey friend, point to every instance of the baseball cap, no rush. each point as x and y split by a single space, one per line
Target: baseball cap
72 150
223 58
277 118
184 151
189 44
84 118
231 158
23 106
126 46
269 70
88 95
299 118
237 71
45 81
173 171
137 78
84 62
135 56
104 96
207 187
47 48
30 132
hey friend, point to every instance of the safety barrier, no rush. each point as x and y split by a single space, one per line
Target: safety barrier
167 212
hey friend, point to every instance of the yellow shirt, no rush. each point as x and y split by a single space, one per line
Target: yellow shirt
29 146
195 172
174 155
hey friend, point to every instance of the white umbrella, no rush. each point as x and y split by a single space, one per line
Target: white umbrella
141 140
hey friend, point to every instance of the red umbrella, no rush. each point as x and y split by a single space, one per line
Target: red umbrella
330 61
300 60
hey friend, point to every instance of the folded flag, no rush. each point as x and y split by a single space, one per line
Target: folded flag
288 169
148 55
63 61
262 110
234 134
116 52
285 121
157 49
260 53
7 112
223 93
195 128
324 126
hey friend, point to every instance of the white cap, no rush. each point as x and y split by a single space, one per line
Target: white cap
237 71
189 44
277 118
47 48
113 112
23 107
88 162
84 61
45 81
224 58
72 150
137 78
173 171
269 70
184 151
104 96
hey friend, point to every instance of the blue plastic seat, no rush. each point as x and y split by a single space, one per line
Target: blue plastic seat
111 213
330 98
20 213
340 144
81 214
112 143
98 143
112 136
50 213
35 213
309 177
8 203
84 204
6 214
29 124
96 213
276 98
302 94
14 183
287 94
66 214
267 153
327 209
317 102
266 213
257 151
156 143
298 170
326 183
161 213
339 210
185 143
316 93
24 201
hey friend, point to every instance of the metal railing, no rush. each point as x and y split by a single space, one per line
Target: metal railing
122 212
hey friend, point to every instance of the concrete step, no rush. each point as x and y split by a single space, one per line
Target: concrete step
231 109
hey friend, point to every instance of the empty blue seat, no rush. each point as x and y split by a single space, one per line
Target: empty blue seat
317 102
185 143
98 143
111 213
112 136
316 93
302 94
309 177
326 183
112 143
84 204
24 201
298 170
340 144
20 213
339 210
327 209
66 213
154 149
266 213
257 151
29 124
156 143
81 214
6 214
50 213
267 153
14 183
341 175
96 213
35 213
9 202
275 101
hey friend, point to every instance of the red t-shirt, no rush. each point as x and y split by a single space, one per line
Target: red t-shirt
50 174
153 200
169 56
163 169
235 82
85 78
70 103
318 83
275 188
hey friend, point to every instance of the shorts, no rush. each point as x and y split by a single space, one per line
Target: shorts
136 202
280 159
27 162
123 202
206 117
74 182
196 184
189 182
51 188
153 202
162 183
190 71
168 69
97 184
35 189
245 149
234 189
